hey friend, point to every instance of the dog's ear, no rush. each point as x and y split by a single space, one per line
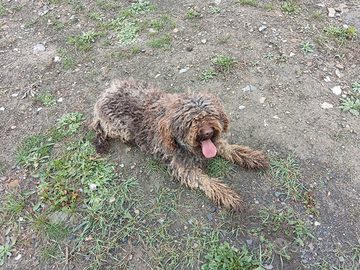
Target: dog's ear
165 132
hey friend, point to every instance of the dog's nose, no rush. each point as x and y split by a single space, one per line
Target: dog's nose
208 133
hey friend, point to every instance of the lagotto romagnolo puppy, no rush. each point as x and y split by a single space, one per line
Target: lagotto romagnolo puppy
183 130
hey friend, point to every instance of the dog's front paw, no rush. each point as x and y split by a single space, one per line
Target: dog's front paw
248 158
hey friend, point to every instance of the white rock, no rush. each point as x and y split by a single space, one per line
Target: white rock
39 48
92 187
276 117
183 70
317 223
336 90
13 127
2 109
203 41
331 12
262 28
338 73
262 100
291 54
112 199
18 257
175 30
15 95
326 105
157 75
217 2
39 109
249 88
327 79
60 100
241 107
57 59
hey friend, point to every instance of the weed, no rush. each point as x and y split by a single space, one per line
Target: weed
156 166
303 95
141 7
83 41
135 49
191 14
290 7
69 124
156 24
269 7
97 16
218 167
351 103
214 10
2 164
224 63
268 56
226 257
340 56
316 15
3 10
299 73
247 2
356 87
6 251
128 33
281 59
105 6
13 205
46 99
339 34
287 173
306 47
30 24
208 74
223 39
163 42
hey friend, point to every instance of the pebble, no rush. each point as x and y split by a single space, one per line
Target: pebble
268 266
338 73
326 105
336 90
331 12
217 2
340 66
341 259
203 41
92 187
2 109
73 236
209 217
241 107
60 100
277 194
213 209
249 88
14 183
262 28
190 48
262 100
18 257
38 48
175 30
249 242
183 70
327 79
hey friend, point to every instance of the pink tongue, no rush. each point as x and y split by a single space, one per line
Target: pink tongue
208 148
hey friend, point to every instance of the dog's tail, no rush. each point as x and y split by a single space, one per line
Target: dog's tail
100 140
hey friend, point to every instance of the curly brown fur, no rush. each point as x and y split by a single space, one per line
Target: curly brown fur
180 129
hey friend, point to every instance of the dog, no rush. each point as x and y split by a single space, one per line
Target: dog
183 130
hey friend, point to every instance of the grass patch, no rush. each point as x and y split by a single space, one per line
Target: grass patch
351 103
155 165
46 99
268 56
192 13
128 34
208 74
214 10
218 167
306 47
141 7
290 7
225 257
339 34
224 63
247 2
83 41
316 15
163 42
6 250
3 10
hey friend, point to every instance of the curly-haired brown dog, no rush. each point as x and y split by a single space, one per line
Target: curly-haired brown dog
183 130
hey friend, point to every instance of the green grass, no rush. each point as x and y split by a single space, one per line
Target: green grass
83 41
6 250
290 7
316 15
208 74
247 2
224 257
339 34
224 63
269 7
156 166
2 165
46 99
12 205
3 10
351 102
219 167
141 7
163 42
306 47
214 10
192 14
268 56
107 5
128 34
97 16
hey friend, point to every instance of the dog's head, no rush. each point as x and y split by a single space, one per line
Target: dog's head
194 122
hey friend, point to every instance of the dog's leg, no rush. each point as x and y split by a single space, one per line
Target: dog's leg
242 156
217 191
100 140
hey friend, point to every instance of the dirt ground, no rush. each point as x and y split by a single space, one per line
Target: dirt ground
283 113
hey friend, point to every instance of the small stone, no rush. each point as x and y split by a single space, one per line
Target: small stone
249 242
190 48
262 100
331 12
112 199
340 66
327 79
213 209
2 109
326 105
195 245
13 127
247 79
291 54
183 70
15 95
249 88
257 202
217 2
268 266
241 107
209 217
93 187
262 28
277 194
60 100
137 211
57 59
14 183
316 223
73 236
18 257
22 107
309 64
39 109
175 30
338 73
293 40
203 41
341 259
336 90
157 75
87 258
39 48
